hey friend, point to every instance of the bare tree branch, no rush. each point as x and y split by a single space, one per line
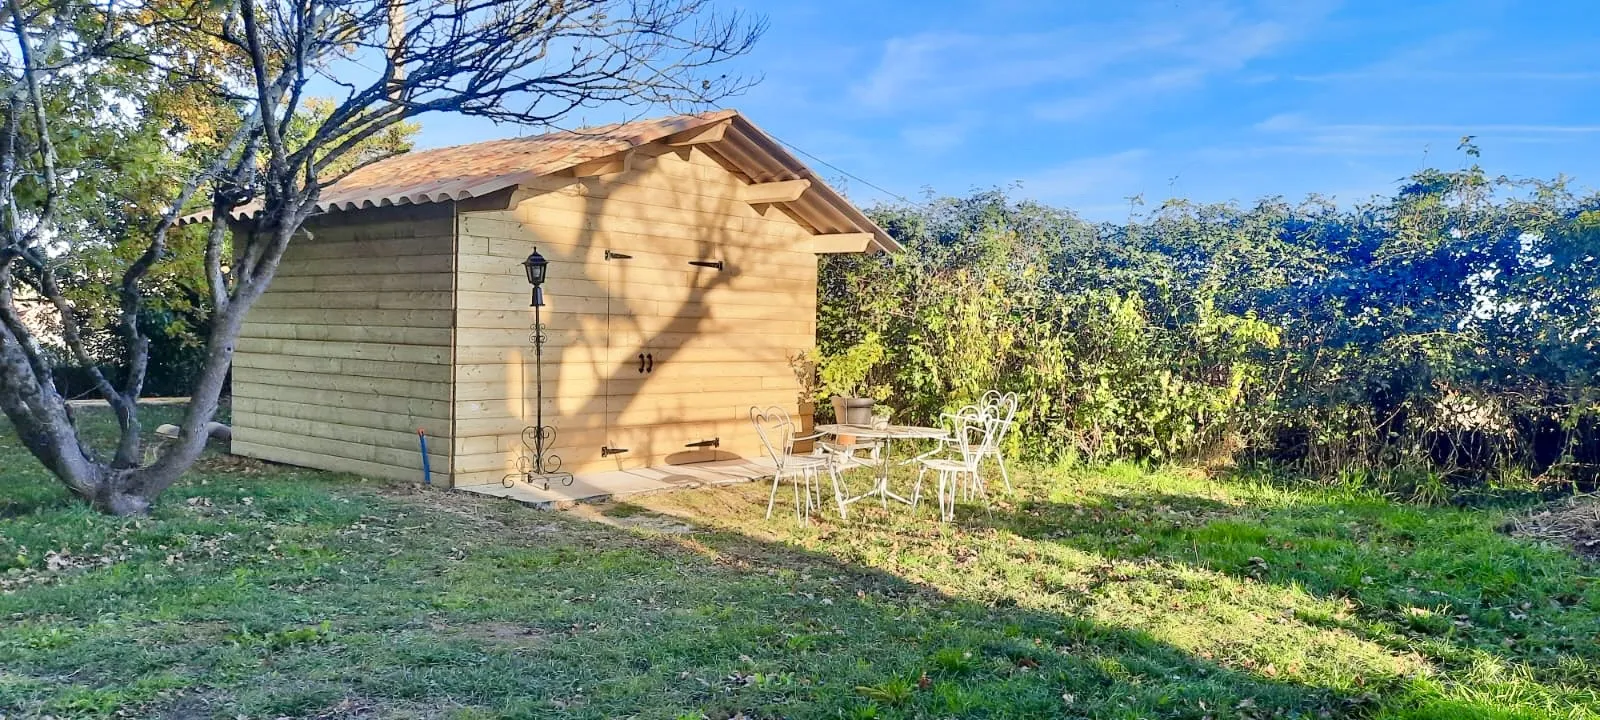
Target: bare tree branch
531 62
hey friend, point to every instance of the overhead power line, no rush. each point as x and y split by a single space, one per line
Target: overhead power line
658 73
790 145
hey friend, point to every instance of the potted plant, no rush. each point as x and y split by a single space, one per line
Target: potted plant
844 380
804 365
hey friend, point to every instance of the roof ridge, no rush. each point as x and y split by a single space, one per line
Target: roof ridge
582 130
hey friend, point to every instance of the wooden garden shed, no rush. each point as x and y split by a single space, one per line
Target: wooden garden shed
681 281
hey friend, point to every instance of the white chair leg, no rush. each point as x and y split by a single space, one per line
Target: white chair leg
805 491
955 486
947 496
799 508
772 498
813 493
838 490
1001 459
916 490
983 492
955 482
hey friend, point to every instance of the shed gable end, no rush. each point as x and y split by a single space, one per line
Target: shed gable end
673 305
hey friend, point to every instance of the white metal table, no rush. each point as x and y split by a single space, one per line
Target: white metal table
887 435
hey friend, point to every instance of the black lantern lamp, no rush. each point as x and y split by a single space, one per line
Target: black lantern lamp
536 266
536 465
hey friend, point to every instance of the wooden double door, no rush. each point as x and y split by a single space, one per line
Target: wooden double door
677 372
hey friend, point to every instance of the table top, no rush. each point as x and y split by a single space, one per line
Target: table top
892 431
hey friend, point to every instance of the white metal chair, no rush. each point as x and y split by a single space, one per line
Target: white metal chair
1002 408
971 431
776 431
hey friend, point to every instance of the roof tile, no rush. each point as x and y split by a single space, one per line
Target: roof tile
478 169
465 171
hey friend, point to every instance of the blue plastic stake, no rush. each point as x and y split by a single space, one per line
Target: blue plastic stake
427 472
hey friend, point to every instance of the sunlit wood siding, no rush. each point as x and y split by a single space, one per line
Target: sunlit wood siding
719 341
348 353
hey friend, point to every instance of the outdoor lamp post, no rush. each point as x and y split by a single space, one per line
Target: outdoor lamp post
536 464
536 266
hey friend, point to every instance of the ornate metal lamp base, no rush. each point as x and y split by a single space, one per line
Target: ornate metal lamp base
540 481
535 466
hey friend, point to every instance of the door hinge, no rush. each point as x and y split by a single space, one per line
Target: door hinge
613 255
609 451
713 442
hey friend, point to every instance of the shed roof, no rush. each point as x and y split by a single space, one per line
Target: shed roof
461 172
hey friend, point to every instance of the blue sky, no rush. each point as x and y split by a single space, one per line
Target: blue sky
1087 103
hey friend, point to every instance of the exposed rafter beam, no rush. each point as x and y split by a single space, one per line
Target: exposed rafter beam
781 191
700 135
841 243
619 162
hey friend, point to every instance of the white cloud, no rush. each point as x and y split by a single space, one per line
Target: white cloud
935 68
1084 69
1108 98
1295 133
1284 122
1396 75
937 137
1097 179
1464 128
1460 56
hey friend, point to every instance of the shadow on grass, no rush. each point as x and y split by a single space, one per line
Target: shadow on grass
302 594
292 598
867 643
1442 582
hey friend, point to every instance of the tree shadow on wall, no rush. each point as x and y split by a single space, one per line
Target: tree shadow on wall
660 323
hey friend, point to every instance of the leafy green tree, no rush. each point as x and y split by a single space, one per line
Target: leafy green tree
119 118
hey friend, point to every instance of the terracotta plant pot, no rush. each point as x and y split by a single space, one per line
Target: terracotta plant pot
805 419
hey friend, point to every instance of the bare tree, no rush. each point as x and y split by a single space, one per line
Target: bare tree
531 62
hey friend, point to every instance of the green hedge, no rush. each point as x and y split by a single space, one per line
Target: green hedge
1446 334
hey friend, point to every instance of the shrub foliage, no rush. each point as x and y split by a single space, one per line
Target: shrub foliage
1447 332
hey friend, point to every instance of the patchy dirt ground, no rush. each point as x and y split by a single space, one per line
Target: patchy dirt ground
1572 522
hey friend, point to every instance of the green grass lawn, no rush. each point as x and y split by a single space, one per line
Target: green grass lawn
263 592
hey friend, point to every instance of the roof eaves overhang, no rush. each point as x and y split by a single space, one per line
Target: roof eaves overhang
759 156
764 159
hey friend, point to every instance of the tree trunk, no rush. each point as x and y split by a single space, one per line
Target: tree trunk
116 495
44 423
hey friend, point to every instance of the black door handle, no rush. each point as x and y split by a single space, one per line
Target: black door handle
651 359
641 362
713 442
609 451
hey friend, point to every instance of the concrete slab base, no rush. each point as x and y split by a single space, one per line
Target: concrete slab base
617 484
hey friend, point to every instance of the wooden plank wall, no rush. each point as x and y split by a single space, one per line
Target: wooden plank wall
348 353
721 340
